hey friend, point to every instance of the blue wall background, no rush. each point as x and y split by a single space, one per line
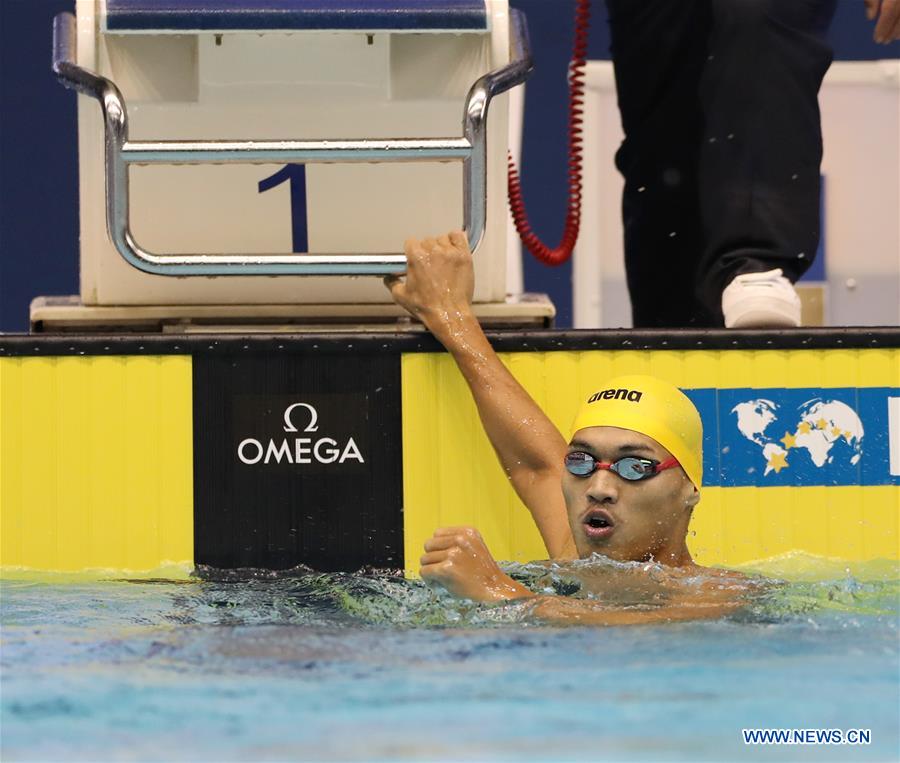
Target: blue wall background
38 170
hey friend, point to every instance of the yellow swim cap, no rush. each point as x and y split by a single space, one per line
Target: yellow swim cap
654 408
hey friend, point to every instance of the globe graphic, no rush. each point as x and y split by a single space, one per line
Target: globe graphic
830 431
835 431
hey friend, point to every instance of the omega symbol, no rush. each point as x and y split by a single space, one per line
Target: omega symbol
313 418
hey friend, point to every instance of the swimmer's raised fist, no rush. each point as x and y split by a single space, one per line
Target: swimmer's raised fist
458 559
439 281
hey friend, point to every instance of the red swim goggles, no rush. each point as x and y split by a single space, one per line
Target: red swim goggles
630 468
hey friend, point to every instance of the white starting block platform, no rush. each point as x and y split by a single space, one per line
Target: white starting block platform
224 143
59 315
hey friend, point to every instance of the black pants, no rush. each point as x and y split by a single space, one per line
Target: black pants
722 146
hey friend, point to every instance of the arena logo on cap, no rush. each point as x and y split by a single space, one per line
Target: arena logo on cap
631 395
299 450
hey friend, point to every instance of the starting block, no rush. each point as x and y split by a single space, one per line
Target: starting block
225 142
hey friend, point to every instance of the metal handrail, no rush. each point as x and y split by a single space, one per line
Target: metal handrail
471 149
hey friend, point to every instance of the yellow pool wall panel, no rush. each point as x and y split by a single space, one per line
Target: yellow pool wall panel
96 462
452 477
736 525
97 457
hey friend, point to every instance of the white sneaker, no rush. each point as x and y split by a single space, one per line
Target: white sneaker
761 301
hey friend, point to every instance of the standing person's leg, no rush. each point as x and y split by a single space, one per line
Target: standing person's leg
762 145
659 50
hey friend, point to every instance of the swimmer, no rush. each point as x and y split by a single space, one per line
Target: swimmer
624 486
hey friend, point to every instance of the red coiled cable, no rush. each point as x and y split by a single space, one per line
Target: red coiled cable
538 248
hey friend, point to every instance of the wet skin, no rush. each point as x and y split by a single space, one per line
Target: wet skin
623 520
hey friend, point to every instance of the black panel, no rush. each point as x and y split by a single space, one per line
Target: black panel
264 496
282 345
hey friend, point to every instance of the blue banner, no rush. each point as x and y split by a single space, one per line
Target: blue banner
797 437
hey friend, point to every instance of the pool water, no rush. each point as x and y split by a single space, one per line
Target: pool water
302 666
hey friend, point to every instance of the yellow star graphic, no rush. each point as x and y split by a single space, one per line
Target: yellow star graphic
778 461
789 440
836 431
804 428
821 423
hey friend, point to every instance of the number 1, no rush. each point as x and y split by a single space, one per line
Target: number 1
296 174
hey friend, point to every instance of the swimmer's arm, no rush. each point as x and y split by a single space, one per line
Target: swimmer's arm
559 610
438 290
722 594
529 447
457 559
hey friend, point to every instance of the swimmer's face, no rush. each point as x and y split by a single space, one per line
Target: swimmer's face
627 521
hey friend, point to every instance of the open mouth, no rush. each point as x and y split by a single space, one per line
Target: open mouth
598 524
